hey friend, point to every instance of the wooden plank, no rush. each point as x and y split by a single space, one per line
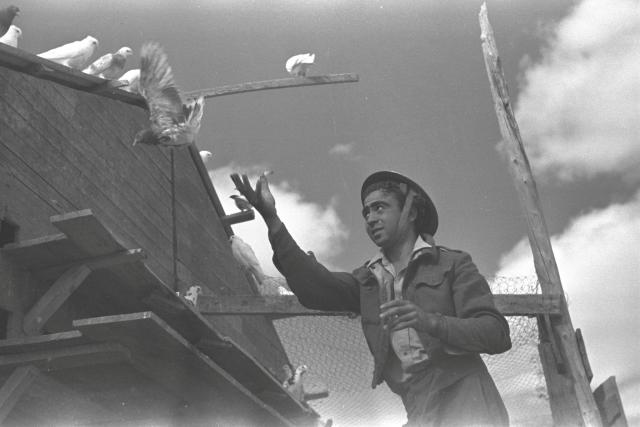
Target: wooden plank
59 358
607 398
87 232
543 257
238 217
40 251
584 357
274 84
41 342
288 305
51 301
26 62
162 354
15 386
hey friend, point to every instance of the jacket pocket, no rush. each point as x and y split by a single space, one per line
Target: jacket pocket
370 304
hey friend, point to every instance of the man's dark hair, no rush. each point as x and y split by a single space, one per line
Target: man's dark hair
397 191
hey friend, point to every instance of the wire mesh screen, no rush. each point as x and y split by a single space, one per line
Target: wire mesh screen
336 353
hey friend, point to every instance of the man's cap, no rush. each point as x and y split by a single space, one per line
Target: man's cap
430 223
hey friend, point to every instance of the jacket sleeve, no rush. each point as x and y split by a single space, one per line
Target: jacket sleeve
315 286
478 326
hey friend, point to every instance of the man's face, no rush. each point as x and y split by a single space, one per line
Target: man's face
381 211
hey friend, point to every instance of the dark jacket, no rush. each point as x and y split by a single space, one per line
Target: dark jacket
440 281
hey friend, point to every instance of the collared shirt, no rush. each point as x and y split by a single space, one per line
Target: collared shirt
406 343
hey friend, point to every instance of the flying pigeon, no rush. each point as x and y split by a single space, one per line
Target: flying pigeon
172 122
11 36
109 66
241 202
132 77
6 17
298 65
205 155
75 54
294 383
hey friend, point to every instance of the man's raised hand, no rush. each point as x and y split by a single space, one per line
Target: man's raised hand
260 198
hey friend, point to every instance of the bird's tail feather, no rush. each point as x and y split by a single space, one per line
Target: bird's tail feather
195 115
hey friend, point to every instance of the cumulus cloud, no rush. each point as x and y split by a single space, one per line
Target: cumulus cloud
599 263
315 227
346 151
579 107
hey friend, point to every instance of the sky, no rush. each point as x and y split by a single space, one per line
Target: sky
422 107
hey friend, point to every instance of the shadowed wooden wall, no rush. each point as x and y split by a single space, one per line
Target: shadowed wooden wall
63 150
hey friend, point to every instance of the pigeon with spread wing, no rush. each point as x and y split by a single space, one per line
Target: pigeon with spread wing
172 123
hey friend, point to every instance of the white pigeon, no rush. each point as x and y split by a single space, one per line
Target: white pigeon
294 383
109 66
132 78
11 36
205 155
192 294
299 65
247 259
75 54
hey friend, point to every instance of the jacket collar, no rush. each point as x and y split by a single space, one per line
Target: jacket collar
419 248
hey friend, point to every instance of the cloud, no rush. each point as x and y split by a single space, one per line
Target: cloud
345 151
315 227
579 107
599 263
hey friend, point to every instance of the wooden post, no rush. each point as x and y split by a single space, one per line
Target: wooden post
569 390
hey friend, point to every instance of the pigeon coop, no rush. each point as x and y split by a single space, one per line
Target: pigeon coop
93 328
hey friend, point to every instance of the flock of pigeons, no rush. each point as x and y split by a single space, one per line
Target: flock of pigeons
173 120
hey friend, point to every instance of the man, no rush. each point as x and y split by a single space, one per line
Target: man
426 311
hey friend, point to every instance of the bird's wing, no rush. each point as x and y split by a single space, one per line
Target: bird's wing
99 65
158 88
63 52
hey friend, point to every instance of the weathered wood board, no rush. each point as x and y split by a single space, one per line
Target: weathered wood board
64 150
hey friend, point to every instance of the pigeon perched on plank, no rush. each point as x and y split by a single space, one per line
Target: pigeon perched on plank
132 78
75 54
11 36
294 383
299 65
6 17
109 66
241 202
171 122
205 155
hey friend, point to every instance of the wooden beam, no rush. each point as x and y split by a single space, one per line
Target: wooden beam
544 260
103 261
238 217
51 301
609 403
280 305
274 84
288 305
208 186
59 358
14 387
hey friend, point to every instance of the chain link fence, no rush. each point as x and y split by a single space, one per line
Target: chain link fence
337 356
